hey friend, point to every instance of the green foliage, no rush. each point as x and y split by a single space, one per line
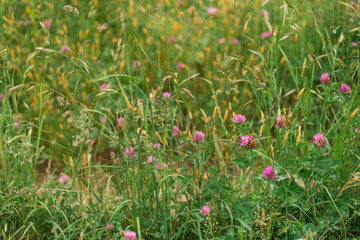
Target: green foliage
88 139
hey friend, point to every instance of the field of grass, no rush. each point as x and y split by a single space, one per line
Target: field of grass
175 119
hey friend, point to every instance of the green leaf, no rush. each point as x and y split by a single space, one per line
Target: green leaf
281 177
242 162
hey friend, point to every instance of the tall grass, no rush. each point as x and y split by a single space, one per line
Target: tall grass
70 168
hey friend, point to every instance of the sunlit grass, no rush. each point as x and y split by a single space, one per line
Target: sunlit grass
179 120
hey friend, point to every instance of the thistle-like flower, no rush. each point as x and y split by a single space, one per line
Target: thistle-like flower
269 173
161 166
130 235
238 118
198 137
127 152
212 11
176 132
205 210
248 141
344 88
166 95
319 140
64 179
325 78
120 123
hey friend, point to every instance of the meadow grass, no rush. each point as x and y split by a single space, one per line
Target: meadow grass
180 119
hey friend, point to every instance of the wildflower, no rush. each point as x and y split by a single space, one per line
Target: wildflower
351 19
103 86
65 48
171 40
76 12
109 227
71 9
234 41
205 210
116 199
238 118
266 34
157 145
68 8
127 152
344 88
265 13
1 97
245 139
212 11
319 20
161 166
16 123
166 95
47 23
179 65
248 141
136 63
279 122
64 179
180 4
129 235
120 122
325 78
176 133
132 151
150 159
102 27
221 40
319 140
269 173
354 44
198 136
